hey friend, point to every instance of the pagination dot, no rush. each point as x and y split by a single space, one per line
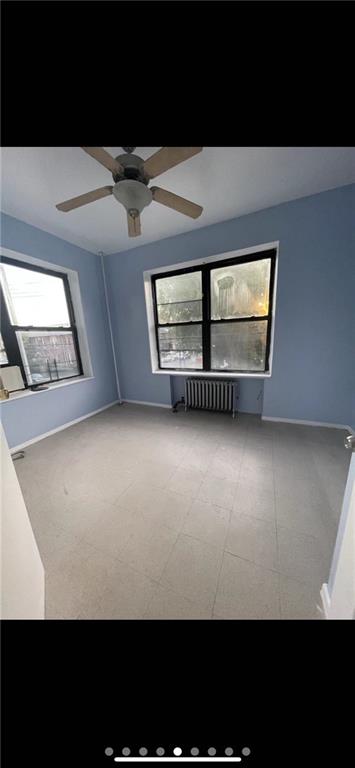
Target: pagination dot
195 751
211 751
245 751
160 751
228 751
126 751
143 751
109 751
177 751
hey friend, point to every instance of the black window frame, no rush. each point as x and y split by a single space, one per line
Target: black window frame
8 330
206 268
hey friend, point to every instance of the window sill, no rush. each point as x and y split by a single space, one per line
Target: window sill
213 375
29 393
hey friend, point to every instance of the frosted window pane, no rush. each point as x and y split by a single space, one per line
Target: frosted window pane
241 290
181 346
239 346
179 298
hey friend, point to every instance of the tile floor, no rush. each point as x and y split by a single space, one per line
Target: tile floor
142 513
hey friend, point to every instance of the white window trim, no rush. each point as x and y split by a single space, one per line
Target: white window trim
28 392
74 285
147 279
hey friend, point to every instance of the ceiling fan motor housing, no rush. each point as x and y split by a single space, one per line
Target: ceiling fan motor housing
133 168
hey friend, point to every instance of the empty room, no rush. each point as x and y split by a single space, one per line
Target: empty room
177 383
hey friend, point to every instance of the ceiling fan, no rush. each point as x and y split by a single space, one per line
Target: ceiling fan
131 176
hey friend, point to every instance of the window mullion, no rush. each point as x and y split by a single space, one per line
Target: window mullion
206 335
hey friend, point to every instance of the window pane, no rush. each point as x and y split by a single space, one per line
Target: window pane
34 298
47 355
238 346
3 355
179 298
241 290
181 346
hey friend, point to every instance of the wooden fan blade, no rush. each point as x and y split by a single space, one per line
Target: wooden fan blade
89 197
134 225
166 158
104 158
176 202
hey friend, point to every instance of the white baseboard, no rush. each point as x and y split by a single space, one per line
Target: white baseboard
309 423
325 600
143 402
62 426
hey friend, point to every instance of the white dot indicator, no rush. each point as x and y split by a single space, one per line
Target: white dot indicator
177 751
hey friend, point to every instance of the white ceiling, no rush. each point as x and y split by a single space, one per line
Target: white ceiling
226 181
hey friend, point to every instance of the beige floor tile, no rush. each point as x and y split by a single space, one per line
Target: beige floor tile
69 559
218 491
139 496
112 534
123 457
172 451
100 480
76 518
45 502
299 600
186 481
166 604
171 509
51 539
256 479
207 522
148 550
127 598
258 459
156 474
253 539
70 581
192 570
255 502
302 515
225 463
246 591
84 585
257 440
301 557
199 455
163 507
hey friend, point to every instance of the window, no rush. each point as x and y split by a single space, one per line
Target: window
3 355
217 316
37 323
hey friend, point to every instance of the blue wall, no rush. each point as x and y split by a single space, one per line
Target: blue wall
313 366
30 416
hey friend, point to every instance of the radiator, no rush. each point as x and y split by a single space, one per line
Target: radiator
211 394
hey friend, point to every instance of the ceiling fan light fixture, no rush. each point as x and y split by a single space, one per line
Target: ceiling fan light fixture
133 195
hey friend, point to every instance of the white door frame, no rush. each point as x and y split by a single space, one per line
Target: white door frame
338 595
